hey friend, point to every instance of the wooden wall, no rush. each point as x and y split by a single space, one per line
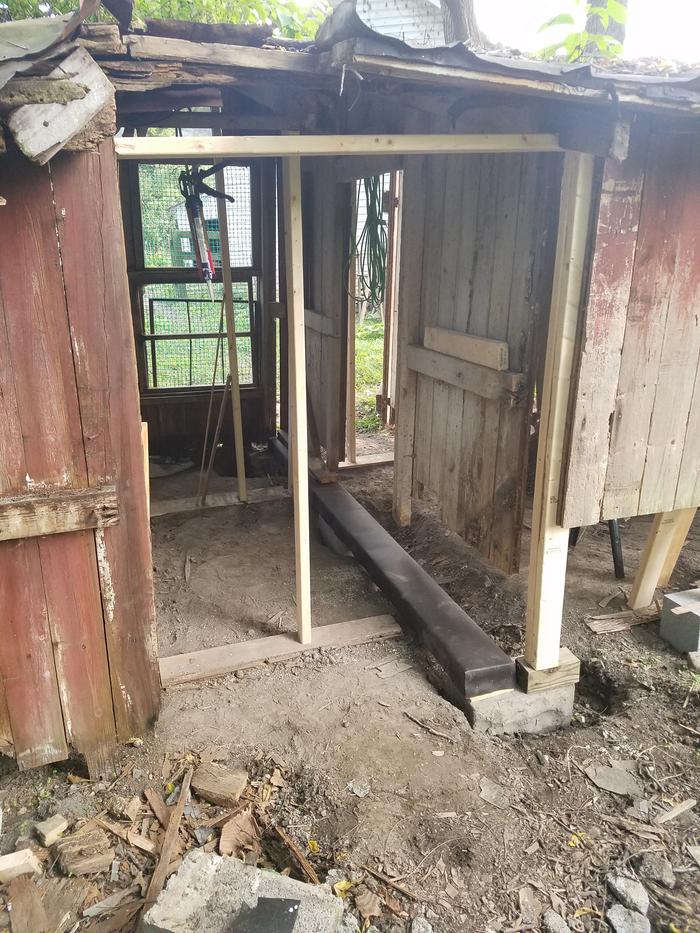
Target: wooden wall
326 205
78 660
634 445
477 251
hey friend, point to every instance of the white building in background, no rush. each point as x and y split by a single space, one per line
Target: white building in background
417 22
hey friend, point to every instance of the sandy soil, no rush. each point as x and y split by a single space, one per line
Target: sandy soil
330 719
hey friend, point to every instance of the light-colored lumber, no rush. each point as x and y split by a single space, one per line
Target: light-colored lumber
223 147
480 380
676 545
299 459
366 461
41 130
216 662
219 785
51 829
550 541
482 350
57 512
84 853
14 864
231 340
657 554
566 672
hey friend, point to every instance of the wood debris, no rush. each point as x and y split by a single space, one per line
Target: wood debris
157 804
123 808
240 836
218 785
301 859
167 851
367 903
14 864
28 912
671 814
49 830
128 835
84 853
623 620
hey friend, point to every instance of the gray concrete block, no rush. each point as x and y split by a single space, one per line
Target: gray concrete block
508 711
681 631
209 892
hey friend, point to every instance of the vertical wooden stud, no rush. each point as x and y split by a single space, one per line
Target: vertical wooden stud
350 390
549 542
299 457
231 334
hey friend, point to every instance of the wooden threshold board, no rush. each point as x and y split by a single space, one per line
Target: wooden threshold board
225 659
366 461
215 500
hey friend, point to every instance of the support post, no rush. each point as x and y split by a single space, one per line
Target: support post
668 532
549 542
231 340
299 456
350 390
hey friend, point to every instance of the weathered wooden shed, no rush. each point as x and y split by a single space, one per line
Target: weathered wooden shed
547 279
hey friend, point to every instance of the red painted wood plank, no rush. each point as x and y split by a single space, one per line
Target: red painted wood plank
603 336
6 741
102 335
26 658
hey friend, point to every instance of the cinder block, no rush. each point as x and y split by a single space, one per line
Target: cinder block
682 631
508 711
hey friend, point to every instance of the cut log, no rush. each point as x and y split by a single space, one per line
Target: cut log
84 853
41 130
220 786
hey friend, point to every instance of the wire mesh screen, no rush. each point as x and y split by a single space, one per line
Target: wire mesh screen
181 326
167 242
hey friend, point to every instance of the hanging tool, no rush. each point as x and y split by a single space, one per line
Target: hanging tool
192 187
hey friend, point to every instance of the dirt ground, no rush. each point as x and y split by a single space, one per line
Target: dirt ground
364 784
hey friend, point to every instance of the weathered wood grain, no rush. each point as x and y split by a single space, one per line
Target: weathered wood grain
613 264
60 512
86 186
479 380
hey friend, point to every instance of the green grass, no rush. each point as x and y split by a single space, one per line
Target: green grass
369 354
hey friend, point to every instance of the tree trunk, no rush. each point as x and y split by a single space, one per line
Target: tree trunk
615 30
460 22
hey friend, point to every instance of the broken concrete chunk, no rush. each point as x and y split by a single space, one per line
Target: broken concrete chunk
84 853
218 785
653 866
553 923
623 920
629 892
421 925
694 661
49 830
19 863
210 891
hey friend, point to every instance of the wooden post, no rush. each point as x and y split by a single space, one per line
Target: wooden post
299 455
268 287
350 388
549 542
668 532
231 340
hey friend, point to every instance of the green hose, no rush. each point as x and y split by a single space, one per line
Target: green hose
370 249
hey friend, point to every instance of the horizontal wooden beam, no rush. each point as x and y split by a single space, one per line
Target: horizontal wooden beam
216 662
221 147
482 381
485 351
215 500
320 323
57 512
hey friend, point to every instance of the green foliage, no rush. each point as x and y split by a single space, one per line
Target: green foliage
287 17
369 359
586 43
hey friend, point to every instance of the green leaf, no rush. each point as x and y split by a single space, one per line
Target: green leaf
617 11
563 19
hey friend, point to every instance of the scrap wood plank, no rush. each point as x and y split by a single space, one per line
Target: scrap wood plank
215 500
479 380
215 662
57 512
28 912
86 184
169 842
603 336
41 130
625 619
485 351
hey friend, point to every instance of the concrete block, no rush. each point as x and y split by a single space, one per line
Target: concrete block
681 631
508 711
215 894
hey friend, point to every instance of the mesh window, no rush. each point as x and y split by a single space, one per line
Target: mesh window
167 242
173 312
